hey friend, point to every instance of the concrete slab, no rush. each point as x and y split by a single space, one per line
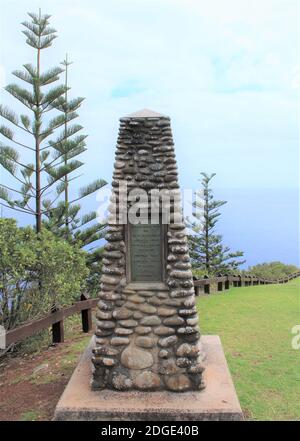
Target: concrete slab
218 401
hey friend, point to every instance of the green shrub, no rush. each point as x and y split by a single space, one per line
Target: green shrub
36 272
272 270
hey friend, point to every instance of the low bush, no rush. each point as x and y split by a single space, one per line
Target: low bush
37 272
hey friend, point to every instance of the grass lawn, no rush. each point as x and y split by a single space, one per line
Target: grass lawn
255 324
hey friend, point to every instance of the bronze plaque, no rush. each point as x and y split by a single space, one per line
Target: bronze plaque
146 253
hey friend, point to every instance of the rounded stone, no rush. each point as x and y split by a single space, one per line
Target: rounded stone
187 312
119 341
119 164
167 341
146 293
192 338
143 330
156 301
147 309
122 314
188 330
166 312
145 342
114 237
179 249
183 362
101 341
151 320
156 166
178 383
178 293
112 271
174 302
135 358
121 382
103 332
182 265
105 350
110 280
174 321
102 315
187 284
162 295
164 330
130 305
137 315
164 354
196 369
184 350
113 254
129 291
143 152
189 302
136 299
104 306
147 380
168 367
128 323
192 321
105 324
123 331
104 361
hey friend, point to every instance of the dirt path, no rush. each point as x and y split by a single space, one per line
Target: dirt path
31 385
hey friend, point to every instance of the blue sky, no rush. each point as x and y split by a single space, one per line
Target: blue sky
226 72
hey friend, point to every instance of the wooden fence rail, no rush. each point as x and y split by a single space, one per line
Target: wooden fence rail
56 318
223 282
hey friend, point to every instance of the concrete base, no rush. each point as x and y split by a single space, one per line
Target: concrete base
218 401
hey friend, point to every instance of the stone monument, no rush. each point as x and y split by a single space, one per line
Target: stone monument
147 360
147 334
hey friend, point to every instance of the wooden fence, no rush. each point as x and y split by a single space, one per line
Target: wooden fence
56 318
222 282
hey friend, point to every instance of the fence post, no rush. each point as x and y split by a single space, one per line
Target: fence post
206 287
220 284
58 334
227 283
240 280
86 315
235 282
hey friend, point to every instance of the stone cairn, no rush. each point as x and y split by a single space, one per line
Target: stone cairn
147 338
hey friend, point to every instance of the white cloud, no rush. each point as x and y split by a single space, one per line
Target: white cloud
223 70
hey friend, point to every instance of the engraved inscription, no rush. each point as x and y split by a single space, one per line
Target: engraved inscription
146 253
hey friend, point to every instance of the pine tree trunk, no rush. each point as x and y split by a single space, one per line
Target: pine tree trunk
37 155
66 160
207 263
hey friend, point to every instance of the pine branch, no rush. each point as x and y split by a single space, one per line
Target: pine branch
9 115
53 95
57 122
50 76
58 144
91 188
25 121
10 154
14 208
21 95
57 174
